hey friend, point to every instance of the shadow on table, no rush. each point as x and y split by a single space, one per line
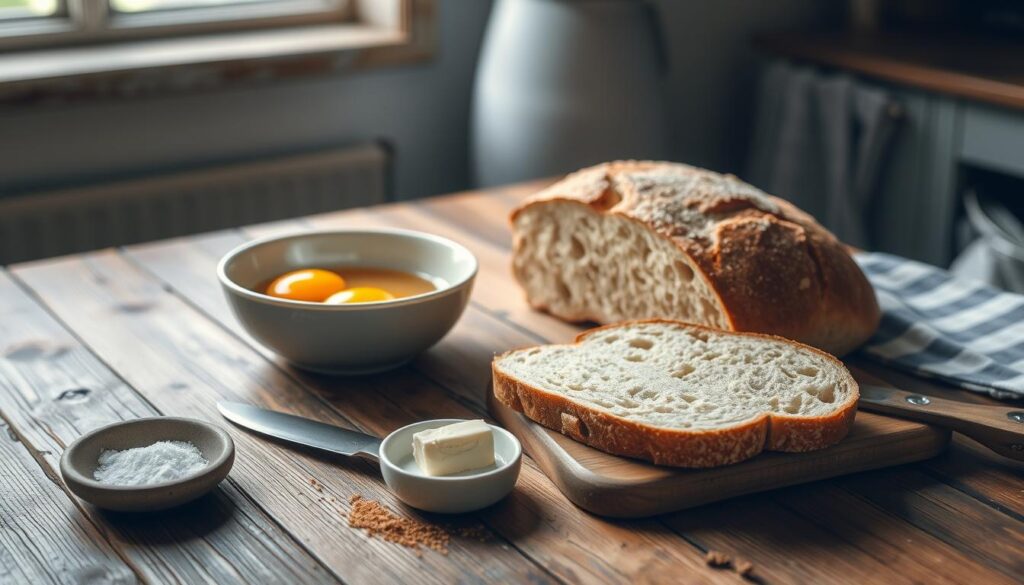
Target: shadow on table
518 515
196 519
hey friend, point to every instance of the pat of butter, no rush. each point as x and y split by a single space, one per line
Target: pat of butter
453 448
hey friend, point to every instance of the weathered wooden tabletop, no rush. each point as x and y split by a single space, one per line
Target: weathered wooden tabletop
91 339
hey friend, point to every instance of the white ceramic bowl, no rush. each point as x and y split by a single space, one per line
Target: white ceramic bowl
359 338
450 494
80 459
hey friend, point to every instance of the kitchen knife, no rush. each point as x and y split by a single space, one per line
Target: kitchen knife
997 427
303 431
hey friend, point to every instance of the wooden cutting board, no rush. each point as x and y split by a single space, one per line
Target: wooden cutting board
627 488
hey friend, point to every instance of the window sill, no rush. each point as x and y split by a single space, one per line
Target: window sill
137 68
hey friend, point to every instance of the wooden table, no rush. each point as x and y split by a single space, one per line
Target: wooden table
91 339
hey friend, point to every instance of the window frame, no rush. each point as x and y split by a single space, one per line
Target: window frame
83 22
381 33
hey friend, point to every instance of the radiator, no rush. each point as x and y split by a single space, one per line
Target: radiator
74 220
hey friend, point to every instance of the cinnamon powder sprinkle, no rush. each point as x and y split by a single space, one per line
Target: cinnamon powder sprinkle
378 521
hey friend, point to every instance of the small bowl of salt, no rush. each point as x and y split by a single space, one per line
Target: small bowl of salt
147 464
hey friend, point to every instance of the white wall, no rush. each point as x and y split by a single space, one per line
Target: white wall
422 109
713 69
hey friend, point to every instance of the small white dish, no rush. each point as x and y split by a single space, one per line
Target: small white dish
80 459
449 494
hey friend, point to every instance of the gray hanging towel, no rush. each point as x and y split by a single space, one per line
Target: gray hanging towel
820 141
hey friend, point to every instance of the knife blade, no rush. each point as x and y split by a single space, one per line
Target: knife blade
302 431
882 399
875 394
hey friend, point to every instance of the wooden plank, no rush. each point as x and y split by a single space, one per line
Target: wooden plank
883 532
827 536
537 519
982 474
985 533
401 216
407 218
470 345
53 390
44 537
182 364
753 528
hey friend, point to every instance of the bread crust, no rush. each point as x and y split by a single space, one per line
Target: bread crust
773 268
678 447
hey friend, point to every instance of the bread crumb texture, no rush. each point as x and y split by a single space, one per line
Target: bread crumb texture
585 266
672 376
680 394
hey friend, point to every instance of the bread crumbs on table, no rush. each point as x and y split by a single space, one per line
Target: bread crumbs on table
720 560
717 559
745 568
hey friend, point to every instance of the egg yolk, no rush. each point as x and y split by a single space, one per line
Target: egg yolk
360 294
312 285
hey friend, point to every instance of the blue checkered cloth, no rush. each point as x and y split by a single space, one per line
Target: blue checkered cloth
938 326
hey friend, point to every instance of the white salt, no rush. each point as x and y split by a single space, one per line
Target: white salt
159 462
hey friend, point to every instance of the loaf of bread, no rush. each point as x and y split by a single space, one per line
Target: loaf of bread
679 394
636 240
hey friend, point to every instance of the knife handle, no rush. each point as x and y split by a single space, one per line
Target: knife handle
997 427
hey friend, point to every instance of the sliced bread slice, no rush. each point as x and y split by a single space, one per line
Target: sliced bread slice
680 394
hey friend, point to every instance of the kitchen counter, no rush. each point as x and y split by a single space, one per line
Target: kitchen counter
95 338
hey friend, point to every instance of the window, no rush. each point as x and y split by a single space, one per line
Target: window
150 5
20 9
49 23
83 48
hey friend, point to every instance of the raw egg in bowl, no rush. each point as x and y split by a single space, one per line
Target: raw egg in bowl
348 301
